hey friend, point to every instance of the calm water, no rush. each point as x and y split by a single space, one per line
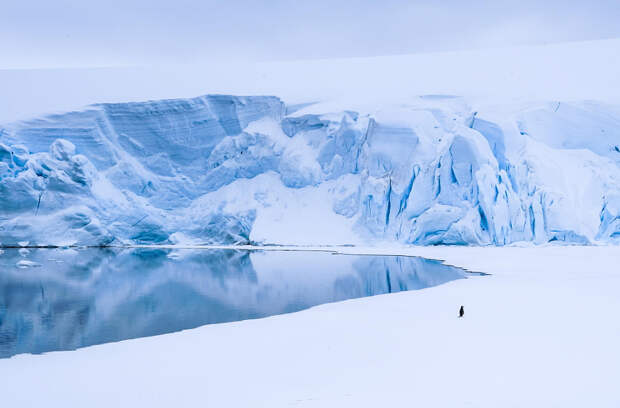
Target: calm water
63 299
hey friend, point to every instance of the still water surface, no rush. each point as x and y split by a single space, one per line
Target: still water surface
63 299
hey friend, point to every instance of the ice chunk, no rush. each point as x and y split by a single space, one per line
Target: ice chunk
24 263
62 149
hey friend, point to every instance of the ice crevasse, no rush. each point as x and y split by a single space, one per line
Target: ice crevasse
223 169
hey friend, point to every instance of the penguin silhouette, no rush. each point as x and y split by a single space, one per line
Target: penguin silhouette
461 312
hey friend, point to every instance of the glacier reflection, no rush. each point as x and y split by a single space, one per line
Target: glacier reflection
62 299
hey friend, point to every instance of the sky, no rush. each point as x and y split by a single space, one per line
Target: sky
80 33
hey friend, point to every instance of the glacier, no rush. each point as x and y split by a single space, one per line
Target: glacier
222 169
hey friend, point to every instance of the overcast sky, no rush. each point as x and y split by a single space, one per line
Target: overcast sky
72 33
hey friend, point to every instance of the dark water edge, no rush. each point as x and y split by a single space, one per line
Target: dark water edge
63 299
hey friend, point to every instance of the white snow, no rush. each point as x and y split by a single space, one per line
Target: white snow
300 217
550 72
541 331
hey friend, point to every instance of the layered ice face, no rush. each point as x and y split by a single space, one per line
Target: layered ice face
227 170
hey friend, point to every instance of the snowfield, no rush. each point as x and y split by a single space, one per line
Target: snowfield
541 331
566 71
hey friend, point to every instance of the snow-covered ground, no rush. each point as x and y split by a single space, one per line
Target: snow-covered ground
542 331
564 71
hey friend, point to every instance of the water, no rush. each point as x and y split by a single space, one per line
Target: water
63 299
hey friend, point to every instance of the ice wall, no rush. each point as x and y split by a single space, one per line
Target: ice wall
225 169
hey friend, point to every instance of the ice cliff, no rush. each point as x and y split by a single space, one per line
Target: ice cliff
226 169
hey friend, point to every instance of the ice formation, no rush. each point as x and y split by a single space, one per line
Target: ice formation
226 169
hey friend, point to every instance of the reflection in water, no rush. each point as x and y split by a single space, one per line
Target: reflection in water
62 299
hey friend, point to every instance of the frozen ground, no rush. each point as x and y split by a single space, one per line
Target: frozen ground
542 331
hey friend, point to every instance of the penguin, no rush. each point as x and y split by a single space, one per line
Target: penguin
461 312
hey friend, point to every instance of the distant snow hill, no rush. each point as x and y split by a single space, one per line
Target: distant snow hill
228 169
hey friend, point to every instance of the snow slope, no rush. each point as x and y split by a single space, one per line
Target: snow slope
566 71
226 169
542 331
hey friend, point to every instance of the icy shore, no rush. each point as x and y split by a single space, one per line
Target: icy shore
541 331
